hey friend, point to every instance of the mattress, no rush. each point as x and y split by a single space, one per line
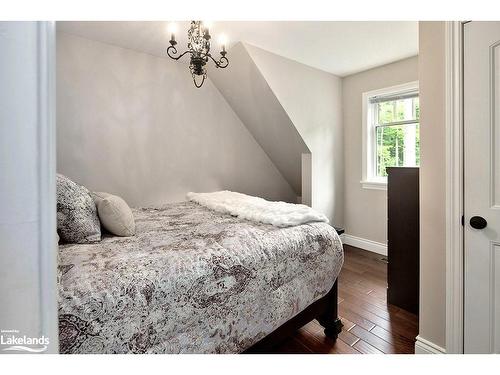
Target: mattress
191 281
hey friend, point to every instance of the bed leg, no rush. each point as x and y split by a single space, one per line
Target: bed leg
330 319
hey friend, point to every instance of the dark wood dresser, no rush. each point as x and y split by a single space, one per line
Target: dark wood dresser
403 237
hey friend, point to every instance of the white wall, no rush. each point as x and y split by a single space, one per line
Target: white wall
28 289
432 319
366 209
312 99
134 124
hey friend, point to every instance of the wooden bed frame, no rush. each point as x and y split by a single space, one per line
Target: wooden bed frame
325 310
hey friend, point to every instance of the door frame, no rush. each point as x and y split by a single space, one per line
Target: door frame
454 186
48 247
31 187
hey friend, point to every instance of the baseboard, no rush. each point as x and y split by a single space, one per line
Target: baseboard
423 346
363 243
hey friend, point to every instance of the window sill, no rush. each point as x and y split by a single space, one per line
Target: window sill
375 185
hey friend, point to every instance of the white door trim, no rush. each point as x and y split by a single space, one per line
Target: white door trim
47 182
28 246
454 188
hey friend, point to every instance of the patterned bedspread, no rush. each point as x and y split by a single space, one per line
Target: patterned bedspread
191 281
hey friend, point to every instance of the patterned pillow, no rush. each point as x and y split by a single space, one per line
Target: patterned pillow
77 220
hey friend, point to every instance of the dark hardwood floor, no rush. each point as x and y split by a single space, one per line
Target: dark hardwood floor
370 324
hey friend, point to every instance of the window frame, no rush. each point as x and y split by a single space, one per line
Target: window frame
369 179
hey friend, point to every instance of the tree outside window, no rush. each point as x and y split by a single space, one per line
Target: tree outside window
397 133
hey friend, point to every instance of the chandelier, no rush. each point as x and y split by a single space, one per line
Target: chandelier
199 49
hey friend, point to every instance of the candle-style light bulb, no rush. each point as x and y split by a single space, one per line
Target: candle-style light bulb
223 42
206 25
172 29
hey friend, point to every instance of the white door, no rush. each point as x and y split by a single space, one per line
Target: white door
482 186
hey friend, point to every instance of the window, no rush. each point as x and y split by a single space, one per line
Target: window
391 132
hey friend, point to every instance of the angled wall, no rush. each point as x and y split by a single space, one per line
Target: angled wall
262 82
248 93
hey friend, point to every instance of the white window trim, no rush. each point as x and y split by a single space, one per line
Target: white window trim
369 180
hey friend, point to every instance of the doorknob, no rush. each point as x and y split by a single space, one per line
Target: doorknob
478 222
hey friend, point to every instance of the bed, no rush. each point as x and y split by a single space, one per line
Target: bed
193 280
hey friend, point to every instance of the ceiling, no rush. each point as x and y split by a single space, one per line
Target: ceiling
338 47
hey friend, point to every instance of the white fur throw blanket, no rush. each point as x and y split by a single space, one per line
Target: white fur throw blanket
279 214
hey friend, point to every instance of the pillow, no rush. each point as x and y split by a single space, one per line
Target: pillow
77 220
115 214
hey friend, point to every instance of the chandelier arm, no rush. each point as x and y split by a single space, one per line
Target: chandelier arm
172 51
222 63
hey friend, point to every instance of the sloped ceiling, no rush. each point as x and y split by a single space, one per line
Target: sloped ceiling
338 47
312 100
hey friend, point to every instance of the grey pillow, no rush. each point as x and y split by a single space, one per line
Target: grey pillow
77 220
115 214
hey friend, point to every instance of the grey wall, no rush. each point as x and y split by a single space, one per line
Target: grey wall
135 125
312 99
366 209
432 183
249 94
